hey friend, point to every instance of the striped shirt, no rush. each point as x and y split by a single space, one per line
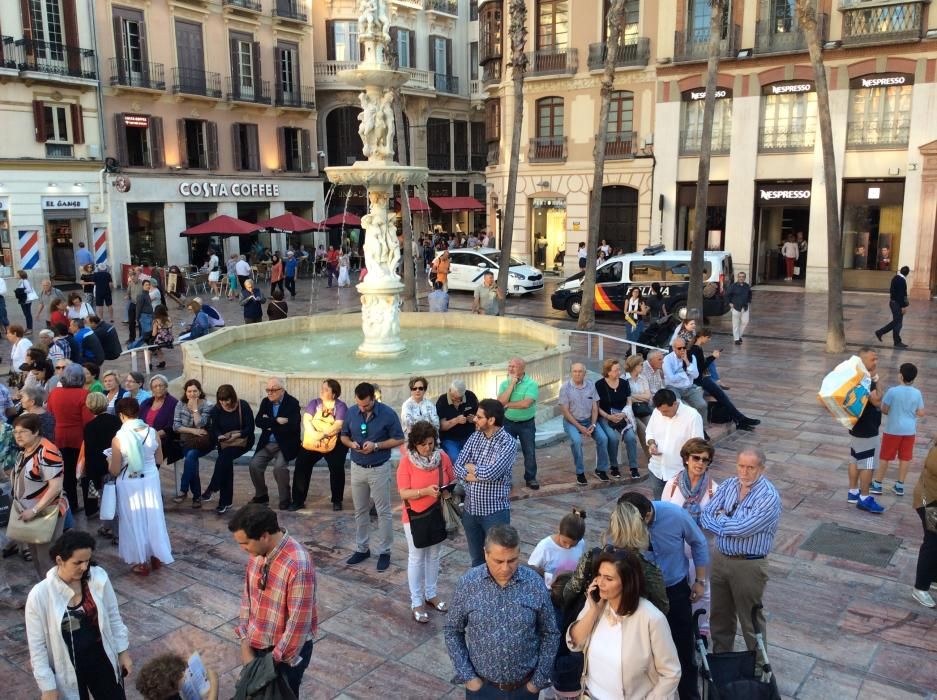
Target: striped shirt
654 378
493 458
745 528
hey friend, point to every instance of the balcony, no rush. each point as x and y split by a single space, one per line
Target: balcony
634 54
136 75
297 98
789 138
52 59
770 39
884 24
258 93
290 11
189 81
446 7
620 146
447 83
247 6
694 45
411 4
884 134
7 53
547 149
559 61
475 89
491 73
690 141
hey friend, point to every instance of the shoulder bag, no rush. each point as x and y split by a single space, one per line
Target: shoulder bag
320 425
427 527
238 441
39 530
930 516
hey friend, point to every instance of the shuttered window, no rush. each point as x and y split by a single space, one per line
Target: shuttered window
245 147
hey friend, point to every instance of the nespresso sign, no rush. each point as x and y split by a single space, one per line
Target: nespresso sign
799 192
700 94
209 190
789 88
882 80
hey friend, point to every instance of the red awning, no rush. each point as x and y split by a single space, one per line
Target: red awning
417 205
457 203
346 219
222 225
290 223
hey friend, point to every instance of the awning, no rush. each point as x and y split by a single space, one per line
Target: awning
222 225
345 219
457 203
417 205
290 223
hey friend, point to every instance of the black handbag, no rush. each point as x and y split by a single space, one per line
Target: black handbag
428 527
641 409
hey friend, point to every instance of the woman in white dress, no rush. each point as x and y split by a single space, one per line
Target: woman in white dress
135 454
418 407
344 263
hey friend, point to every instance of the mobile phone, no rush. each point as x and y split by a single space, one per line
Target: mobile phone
595 594
451 485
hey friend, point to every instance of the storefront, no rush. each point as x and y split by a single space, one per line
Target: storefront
548 231
65 220
782 212
6 248
715 215
872 215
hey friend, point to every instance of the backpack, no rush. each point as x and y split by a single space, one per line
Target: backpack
110 341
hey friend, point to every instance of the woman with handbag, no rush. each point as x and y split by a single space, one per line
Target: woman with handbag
322 423
98 434
423 476
38 511
26 295
615 417
232 429
135 454
190 421
77 640
925 503
158 412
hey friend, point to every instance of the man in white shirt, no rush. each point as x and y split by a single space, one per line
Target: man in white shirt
671 424
680 373
242 269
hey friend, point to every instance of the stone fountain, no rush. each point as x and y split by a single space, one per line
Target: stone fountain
381 289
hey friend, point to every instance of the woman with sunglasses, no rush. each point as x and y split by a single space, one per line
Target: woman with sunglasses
322 424
232 429
692 489
418 407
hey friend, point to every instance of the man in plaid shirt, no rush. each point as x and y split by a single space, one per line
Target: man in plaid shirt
484 464
278 605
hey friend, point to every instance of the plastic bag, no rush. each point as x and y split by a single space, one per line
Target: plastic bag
844 392
108 507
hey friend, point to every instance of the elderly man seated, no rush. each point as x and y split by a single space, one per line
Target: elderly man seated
680 373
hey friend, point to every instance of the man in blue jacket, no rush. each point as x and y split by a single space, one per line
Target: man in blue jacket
278 418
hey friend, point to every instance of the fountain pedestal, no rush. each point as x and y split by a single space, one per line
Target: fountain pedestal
380 318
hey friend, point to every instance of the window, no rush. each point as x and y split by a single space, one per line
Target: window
692 130
473 60
468 259
58 144
490 32
782 16
699 14
288 73
632 16
872 216
620 127
647 271
295 149
478 146
788 121
493 120
552 24
404 44
198 144
130 46
146 230
440 55
245 66
473 10
438 144
679 270
550 117
139 140
343 44
609 274
245 147
45 17
879 116
460 141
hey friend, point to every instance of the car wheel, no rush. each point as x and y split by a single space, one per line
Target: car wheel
678 307
573 306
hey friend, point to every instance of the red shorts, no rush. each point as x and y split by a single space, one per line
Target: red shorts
900 446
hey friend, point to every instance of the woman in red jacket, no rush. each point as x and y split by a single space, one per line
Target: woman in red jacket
423 466
67 405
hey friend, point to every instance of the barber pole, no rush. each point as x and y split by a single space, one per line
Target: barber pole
29 249
100 246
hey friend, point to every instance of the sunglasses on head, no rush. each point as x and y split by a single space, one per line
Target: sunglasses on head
264 573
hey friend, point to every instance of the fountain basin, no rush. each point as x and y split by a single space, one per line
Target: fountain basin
373 75
441 347
377 174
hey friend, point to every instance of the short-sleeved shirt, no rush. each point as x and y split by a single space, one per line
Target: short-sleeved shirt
381 425
903 403
579 399
487 299
526 388
34 472
446 410
556 560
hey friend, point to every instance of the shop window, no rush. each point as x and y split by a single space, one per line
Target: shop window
647 271
691 132
6 248
788 122
879 116
147 235
295 147
245 147
198 144
139 140
438 144
872 214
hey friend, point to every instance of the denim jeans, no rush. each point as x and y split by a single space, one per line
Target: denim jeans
190 476
635 333
28 314
526 432
476 526
4 321
452 448
717 393
575 445
613 437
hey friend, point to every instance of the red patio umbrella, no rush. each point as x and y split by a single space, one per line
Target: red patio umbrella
290 223
223 225
345 219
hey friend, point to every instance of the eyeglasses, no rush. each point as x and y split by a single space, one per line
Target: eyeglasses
417 388
264 573
273 391
677 348
22 432
58 367
700 458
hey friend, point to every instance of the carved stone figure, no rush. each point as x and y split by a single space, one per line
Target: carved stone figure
367 17
368 128
381 249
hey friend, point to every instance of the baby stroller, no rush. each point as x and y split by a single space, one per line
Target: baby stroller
731 675
657 334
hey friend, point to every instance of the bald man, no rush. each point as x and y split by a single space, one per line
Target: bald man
518 394
579 404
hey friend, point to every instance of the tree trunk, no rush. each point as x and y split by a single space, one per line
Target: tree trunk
698 246
615 22
835 332
518 35
409 270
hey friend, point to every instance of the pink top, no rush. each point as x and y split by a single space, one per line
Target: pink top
411 477
276 272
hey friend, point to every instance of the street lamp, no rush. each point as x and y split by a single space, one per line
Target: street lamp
498 217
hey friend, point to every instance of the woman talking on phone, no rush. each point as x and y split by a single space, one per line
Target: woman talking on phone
625 640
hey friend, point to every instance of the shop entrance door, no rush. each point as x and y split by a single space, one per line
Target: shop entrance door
63 237
774 226
549 233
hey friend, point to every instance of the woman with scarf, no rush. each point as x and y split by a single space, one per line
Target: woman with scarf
418 480
135 454
637 314
925 494
692 489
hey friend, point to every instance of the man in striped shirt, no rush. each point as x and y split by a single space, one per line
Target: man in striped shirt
744 515
278 604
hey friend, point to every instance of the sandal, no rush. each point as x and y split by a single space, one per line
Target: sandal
420 616
440 605
140 569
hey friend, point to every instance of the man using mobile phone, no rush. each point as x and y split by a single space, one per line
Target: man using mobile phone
456 410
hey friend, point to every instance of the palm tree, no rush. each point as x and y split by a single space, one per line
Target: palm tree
518 63
835 332
613 39
698 246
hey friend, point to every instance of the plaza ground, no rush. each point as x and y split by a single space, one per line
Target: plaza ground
837 628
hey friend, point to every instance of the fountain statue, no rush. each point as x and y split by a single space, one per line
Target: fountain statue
381 289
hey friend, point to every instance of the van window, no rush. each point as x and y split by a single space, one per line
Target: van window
610 273
679 271
647 271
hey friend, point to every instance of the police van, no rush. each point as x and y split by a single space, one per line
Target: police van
670 268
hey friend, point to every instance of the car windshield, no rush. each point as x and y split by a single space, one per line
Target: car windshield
495 259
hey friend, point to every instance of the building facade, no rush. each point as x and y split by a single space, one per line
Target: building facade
436 42
51 156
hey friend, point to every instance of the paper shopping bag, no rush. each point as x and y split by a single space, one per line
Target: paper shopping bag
845 391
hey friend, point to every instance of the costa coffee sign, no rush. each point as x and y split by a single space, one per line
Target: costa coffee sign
789 88
208 190
882 80
794 192
697 95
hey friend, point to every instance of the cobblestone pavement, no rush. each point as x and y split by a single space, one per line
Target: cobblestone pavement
837 628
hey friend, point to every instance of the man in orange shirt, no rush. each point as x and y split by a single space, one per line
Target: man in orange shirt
441 267
331 263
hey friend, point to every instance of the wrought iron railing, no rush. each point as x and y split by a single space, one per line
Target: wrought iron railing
547 149
252 5
291 9
258 93
449 7
879 133
137 74
447 83
303 97
491 72
796 135
557 61
9 54
636 53
694 45
55 59
690 141
769 38
619 146
191 81
885 23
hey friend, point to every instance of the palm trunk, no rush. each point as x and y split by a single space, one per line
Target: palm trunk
698 246
615 22
835 332
518 33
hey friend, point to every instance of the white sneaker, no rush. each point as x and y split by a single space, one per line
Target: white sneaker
215 298
924 598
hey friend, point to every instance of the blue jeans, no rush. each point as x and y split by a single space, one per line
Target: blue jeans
4 321
476 526
526 432
575 445
635 333
613 437
452 447
293 675
713 372
190 477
